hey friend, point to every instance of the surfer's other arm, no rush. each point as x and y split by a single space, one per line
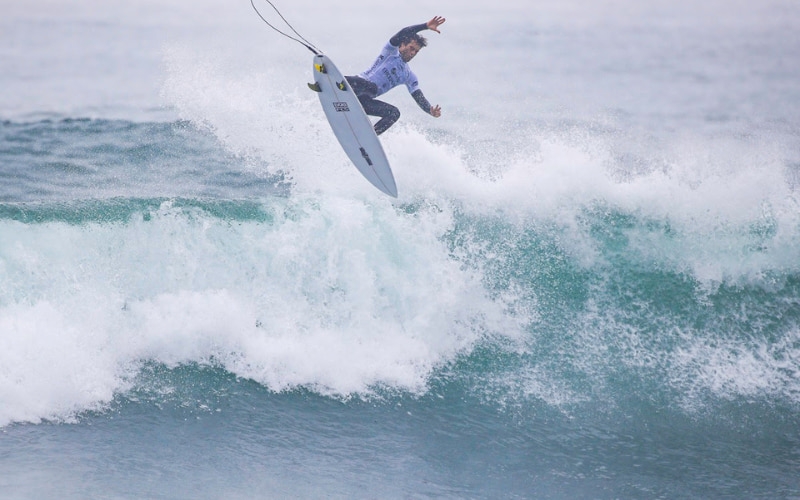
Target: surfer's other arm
404 40
423 103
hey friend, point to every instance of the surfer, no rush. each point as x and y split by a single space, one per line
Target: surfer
391 69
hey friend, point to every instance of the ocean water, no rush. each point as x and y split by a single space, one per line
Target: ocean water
588 287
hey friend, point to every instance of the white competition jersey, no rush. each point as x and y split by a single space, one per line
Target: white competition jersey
389 70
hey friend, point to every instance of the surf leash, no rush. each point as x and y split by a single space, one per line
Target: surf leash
299 39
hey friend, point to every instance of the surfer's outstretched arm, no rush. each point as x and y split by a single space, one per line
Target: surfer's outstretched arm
405 33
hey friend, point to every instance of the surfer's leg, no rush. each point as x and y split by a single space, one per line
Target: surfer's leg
362 88
366 92
388 113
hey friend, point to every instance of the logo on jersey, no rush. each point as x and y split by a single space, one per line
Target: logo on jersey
341 106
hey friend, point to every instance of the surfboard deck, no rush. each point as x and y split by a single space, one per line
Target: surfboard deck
351 125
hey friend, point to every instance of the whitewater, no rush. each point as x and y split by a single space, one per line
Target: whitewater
588 286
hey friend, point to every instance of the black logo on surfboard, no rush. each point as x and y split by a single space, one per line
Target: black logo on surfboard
341 106
366 156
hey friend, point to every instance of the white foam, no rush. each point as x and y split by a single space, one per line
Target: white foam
335 295
733 369
54 362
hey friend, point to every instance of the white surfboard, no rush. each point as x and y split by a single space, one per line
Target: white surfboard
351 125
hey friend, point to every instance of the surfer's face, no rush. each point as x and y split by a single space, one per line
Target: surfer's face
409 50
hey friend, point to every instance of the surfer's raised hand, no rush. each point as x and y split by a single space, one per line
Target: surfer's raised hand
436 111
434 23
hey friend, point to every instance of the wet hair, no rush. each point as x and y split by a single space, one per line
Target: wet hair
414 37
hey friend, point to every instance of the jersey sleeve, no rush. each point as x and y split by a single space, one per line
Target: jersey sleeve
412 83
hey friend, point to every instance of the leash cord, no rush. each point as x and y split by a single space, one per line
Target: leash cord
299 39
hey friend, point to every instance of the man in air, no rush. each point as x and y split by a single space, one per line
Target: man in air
391 69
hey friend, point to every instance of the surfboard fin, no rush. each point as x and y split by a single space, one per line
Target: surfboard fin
320 67
341 85
315 87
